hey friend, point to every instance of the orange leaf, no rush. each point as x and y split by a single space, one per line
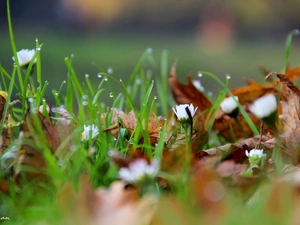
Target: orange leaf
293 73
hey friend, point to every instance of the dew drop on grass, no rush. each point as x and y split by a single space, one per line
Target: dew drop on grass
200 74
84 97
138 81
36 40
149 50
121 80
99 75
84 103
38 48
228 77
209 93
60 162
155 97
73 148
64 82
111 95
106 79
15 65
30 99
110 70
156 144
87 75
115 139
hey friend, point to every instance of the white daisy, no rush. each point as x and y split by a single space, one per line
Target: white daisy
25 56
89 130
181 113
138 170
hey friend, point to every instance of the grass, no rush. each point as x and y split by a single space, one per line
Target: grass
34 201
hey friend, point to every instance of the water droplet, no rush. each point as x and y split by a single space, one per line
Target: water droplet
73 148
106 79
110 70
36 40
149 50
121 80
111 95
155 97
138 81
60 162
228 77
56 93
72 55
84 103
15 65
115 139
30 99
99 75
38 48
156 144
200 74
84 97
64 82
87 75
209 93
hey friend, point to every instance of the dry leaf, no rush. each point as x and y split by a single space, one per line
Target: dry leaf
129 121
116 205
5 137
29 155
293 73
252 91
290 117
250 143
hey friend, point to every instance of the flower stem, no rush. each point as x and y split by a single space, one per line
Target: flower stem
240 126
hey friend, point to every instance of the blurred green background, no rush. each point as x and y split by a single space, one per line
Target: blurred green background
224 37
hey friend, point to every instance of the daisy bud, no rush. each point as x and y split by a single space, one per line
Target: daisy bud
230 107
265 109
255 156
24 57
89 131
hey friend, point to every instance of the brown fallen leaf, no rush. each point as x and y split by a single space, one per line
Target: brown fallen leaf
5 137
293 73
226 150
252 91
290 118
115 205
129 121
29 154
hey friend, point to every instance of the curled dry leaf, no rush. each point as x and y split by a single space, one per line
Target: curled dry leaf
29 154
293 73
5 137
226 150
115 205
252 91
290 117
129 121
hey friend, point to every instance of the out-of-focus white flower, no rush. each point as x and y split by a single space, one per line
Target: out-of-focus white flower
89 130
263 106
25 56
139 170
197 84
43 108
181 113
255 155
229 104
